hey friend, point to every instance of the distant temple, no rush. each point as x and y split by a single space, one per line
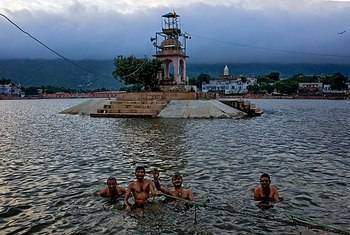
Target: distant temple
228 84
226 75
170 46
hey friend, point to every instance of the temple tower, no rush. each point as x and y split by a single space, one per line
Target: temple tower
170 45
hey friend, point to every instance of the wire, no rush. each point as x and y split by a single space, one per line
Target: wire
293 220
43 44
139 67
136 70
270 49
89 83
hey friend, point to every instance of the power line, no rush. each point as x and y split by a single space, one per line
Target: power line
237 44
43 44
290 219
66 59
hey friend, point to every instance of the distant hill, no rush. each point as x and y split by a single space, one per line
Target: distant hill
62 74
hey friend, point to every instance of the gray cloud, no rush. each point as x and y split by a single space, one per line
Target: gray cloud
91 29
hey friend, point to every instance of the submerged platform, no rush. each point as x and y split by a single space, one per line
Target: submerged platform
163 105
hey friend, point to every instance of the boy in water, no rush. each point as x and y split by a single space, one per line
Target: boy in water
140 189
265 192
156 181
112 190
177 190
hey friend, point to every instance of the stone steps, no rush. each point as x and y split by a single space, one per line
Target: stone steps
128 110
244 106
124 115
139 106
131 108
126 106
116 102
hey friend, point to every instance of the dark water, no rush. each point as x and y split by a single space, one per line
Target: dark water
52 164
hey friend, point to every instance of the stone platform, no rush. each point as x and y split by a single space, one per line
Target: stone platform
156 105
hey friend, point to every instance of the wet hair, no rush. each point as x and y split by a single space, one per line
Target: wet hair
177 175
111 178
138 168
265 175
155 170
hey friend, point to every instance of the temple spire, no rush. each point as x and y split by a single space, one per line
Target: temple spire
226 71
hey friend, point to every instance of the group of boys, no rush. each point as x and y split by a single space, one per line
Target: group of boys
142 189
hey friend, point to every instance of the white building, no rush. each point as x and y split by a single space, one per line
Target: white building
318 88
348 85
227 84
10 90
326 88
311 85
5 89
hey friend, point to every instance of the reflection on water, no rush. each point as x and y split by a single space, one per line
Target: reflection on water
52 164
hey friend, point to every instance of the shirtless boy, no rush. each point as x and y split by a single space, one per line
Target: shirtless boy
266 193
112 190
140 189
178 190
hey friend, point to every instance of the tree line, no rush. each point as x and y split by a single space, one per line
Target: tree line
37 90
267 84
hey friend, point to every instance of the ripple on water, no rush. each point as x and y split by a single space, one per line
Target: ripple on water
52 165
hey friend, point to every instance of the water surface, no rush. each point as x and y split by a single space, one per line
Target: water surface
51 165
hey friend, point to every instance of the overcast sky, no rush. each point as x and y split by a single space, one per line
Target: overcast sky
223 31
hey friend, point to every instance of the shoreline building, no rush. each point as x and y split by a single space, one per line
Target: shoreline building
319 89
11 90
170 45
228 84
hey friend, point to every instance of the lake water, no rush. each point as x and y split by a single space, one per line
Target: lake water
51 165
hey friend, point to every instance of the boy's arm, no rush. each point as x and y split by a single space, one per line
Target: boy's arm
102 192
127 195
257 196
164 190
153 189
190 195
122 190
276 196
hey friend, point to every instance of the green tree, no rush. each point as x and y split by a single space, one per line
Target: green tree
134 71
337 81
254 88
274 76
244 79
30 91
266 87
287 86
203 77
264 79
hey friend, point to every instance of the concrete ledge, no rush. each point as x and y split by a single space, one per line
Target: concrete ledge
87 107
199 109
